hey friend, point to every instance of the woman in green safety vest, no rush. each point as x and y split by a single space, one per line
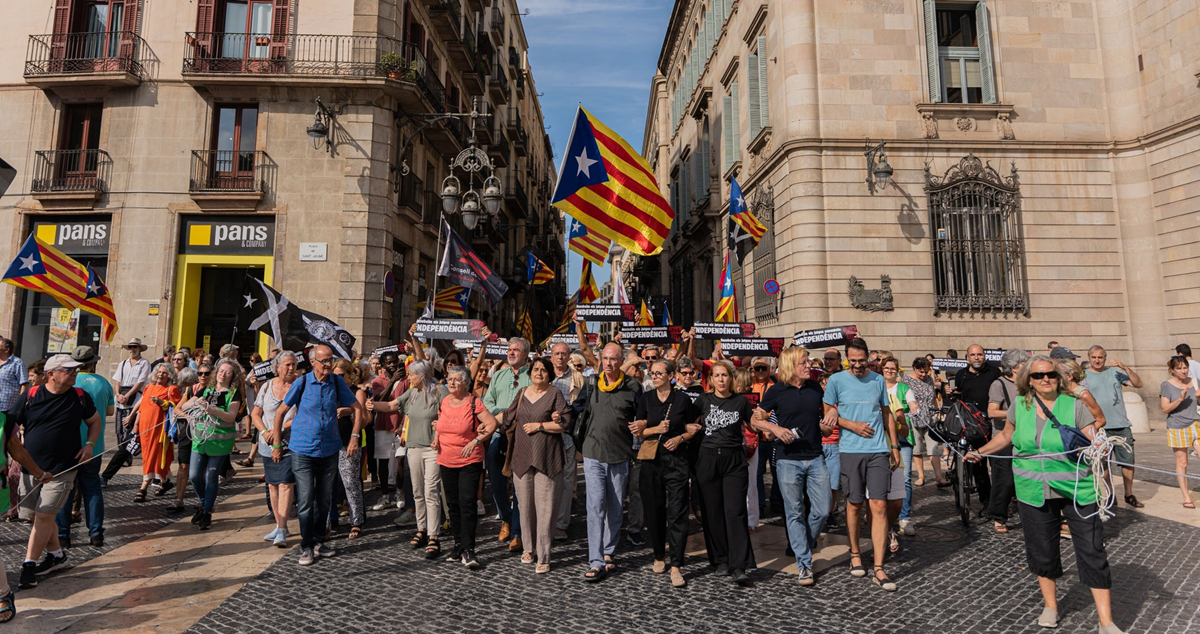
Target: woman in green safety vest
1051 485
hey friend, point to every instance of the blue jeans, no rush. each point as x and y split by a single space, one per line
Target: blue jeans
506 505
833 464
605 486
314 494
88 484
204 471
796 477
906 455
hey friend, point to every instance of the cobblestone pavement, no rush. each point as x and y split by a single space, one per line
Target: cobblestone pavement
950 580
125 521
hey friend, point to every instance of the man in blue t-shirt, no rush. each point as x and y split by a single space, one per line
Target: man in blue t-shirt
857 401
87 483
1104 381
315 444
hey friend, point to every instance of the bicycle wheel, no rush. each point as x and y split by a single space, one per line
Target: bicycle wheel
962 489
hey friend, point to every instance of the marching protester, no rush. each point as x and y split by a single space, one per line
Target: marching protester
1177 397
463 425
190 382
505 385
1105 379
281 482
569 380
857 400
921 386
972 386
158 452
88 494
215 410
315 444
1001 396
607 405
902 403
50 415
14 379
1052 486
131 376
538 417
349 484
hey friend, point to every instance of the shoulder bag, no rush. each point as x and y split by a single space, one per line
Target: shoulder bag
1073 440
649 448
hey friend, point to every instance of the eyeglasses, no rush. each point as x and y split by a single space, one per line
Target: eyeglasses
657 374
67 370
324 362
1038 376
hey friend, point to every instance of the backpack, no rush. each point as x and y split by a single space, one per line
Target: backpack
966 422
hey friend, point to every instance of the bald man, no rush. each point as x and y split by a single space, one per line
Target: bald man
972 385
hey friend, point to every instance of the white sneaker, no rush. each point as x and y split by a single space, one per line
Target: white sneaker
906 527
479 510
323 550
400 502
383 503
271 535
307 557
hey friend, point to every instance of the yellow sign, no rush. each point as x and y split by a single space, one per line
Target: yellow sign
47 233
153 309
200 235
207 343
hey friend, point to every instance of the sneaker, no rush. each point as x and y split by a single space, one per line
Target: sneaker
406 519
906 527
479 510
306 557
196 516
51 563
324 550
280 540
635 538
28 575
559 534
383 503
806 577
399 503
469 560
456 554
205 521
271 535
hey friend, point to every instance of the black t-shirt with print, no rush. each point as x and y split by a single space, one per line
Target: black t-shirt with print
723 420
52 423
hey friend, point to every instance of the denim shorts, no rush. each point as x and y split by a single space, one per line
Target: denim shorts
278 472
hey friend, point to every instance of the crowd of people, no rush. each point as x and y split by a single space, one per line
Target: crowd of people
663 435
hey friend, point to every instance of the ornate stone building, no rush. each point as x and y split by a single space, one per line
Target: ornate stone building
173 146
1040 177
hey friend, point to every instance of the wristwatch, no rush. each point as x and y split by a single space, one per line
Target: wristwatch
541 426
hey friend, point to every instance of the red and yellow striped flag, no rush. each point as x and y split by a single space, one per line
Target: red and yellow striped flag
588 291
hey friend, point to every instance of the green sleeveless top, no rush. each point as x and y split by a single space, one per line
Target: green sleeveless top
1041 469
219 435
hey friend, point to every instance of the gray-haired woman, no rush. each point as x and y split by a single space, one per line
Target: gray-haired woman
419 404
281 482
463 424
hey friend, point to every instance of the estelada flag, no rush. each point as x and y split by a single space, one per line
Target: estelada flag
536 270
608 187
463 267
645 319
588 291
727 308
452 299
99 303
745 230
41 268
588 245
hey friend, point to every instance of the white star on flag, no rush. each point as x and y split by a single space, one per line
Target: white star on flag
250 299
585 164
28 263
94 288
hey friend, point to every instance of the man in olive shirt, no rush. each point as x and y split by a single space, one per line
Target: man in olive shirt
610 402
505 386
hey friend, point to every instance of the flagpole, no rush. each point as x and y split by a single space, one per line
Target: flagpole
430 305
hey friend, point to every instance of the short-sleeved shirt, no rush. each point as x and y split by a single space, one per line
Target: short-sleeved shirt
51 423
1193 371
421 413
388 421
130 373
973 386
653 411
926 396
1003 393
12 376
269 404
101 392
723 420
456 426
314 427
1185 415
798 409
859 400
1105 387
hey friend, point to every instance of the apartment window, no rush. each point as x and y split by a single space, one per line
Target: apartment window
959 52
78 163
234 139
101 20
244 29
756 82
729 129
976 246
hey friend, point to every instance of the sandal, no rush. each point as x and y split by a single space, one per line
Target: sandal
1189 505
418 540
609 566
594 575
542 569
238 452
355 531
893 542
432 548
1132 500
857 571
163 488
884 582
140 496
246 462
8 607
527 558
1000 527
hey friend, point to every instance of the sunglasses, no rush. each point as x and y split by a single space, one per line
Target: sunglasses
760 368
1038 376
203 373
325 362
578 366
516 378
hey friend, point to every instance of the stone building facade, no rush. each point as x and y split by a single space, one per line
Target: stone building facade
172 146
1045 157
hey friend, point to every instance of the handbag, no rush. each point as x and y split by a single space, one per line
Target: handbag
649 448
1073 440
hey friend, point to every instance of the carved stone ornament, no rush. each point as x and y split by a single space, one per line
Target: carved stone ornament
871 300
929 125
964 124
1004 125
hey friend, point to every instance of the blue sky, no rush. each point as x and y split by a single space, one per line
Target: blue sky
601 53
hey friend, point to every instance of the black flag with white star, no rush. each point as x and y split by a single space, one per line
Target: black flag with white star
265 309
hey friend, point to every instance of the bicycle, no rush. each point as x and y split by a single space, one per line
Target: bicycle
962 482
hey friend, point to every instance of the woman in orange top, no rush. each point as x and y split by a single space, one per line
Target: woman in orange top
158 454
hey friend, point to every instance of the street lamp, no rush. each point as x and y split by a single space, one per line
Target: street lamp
320 127
879 172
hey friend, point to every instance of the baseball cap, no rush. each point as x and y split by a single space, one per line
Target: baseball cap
1063 353
61 362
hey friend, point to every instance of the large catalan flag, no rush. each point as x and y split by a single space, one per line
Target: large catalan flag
41 268
727 308
589 245
745 230
608 187
588 291
525 325
452 299
536 270
99 303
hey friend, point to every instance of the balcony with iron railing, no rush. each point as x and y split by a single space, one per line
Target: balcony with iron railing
214 58
411 190
446 16
514 58
516 130
432 209
520 83
498 84
498 151
514 192
107 58
497 26
463 50
70 176
229 178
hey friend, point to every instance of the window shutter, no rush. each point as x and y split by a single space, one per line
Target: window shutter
764 95
932 62
728 121
752 94
685 193
62 26
280 29
129 26
987 74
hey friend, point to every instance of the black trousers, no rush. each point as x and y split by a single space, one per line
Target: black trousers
1042 526
664 485
1003 488
461 484
724 481
983 483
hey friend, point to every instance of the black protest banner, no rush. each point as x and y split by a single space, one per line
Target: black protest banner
752 347
262 371
606 312
573 340
379 352
723 330
469 329
496 351
831 337
992 355
651 334
949 365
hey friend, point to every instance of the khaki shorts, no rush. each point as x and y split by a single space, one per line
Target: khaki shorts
924 443
49 498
